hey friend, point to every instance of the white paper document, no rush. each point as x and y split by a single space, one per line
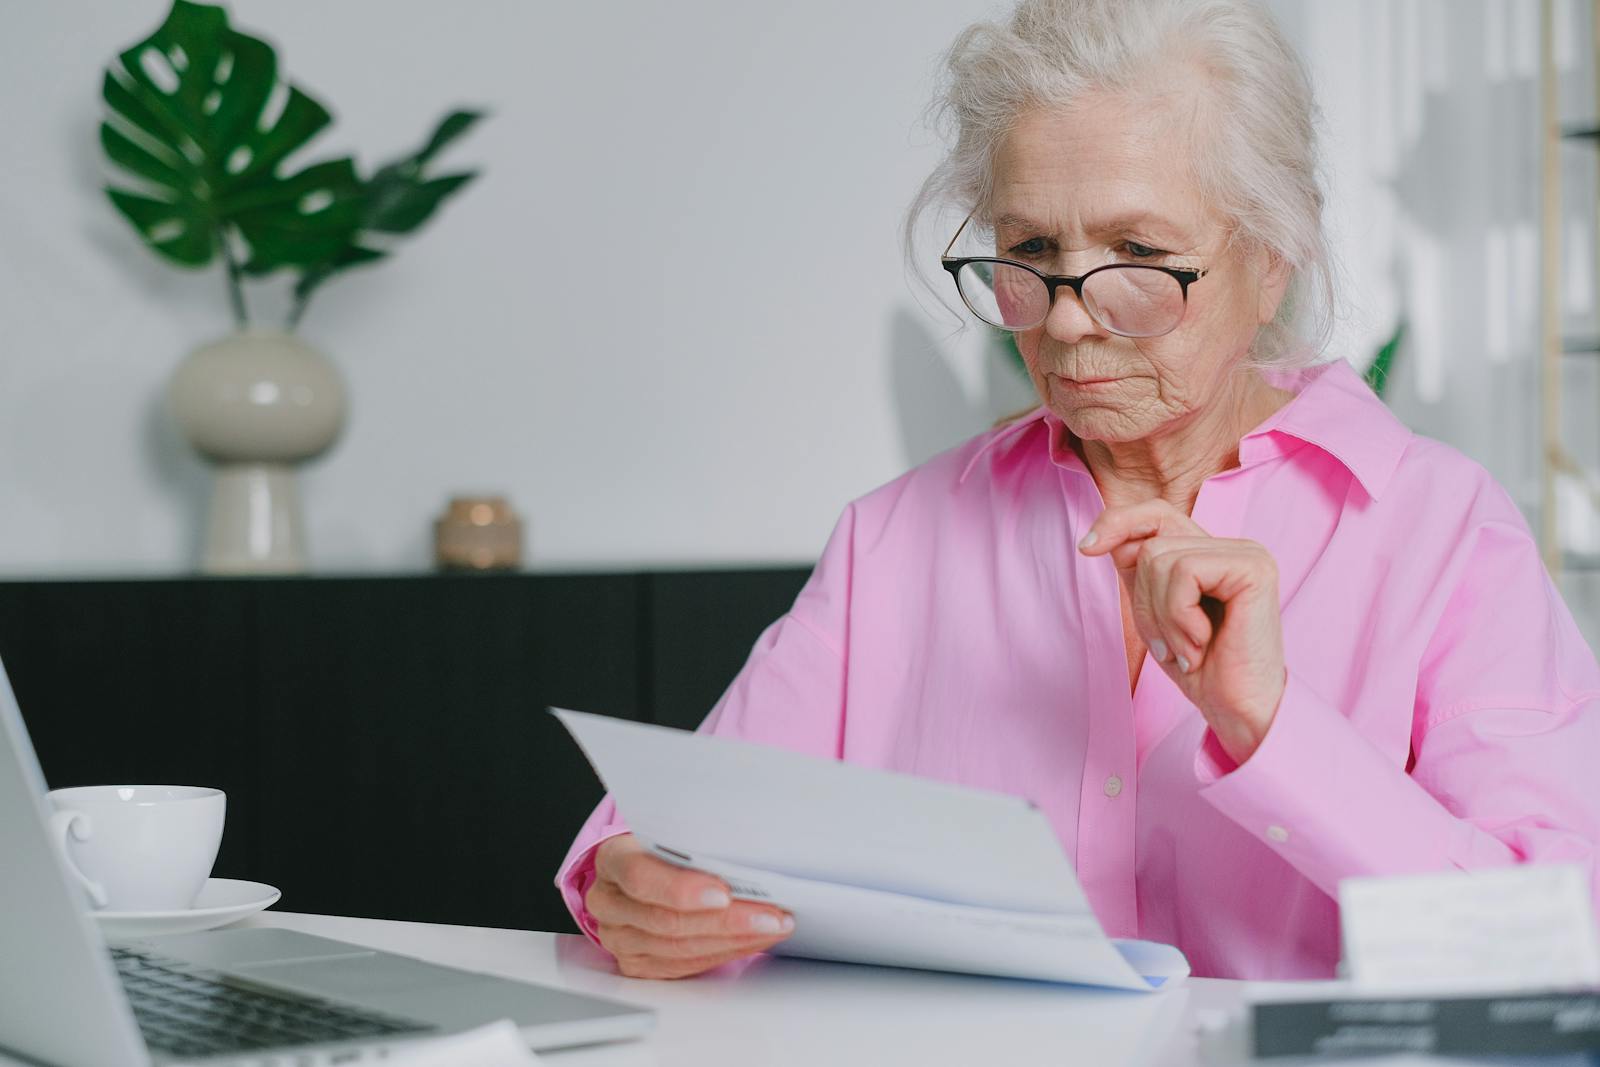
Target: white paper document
495 1045
1500 929
876 867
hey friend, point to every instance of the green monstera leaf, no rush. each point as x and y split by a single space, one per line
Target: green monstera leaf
198 118
1378 373
396 200
187 109
400 199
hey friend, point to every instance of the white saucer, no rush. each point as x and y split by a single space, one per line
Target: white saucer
221 901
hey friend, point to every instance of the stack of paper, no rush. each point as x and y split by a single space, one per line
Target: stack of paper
1503 961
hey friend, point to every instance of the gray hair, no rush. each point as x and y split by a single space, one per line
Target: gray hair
1255 162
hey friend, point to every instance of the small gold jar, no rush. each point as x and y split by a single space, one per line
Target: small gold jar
478 533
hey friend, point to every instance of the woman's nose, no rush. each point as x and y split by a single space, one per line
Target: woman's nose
1069 321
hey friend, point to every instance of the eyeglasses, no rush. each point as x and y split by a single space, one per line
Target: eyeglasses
1128 299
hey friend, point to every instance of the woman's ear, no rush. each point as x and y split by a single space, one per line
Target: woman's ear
1275 276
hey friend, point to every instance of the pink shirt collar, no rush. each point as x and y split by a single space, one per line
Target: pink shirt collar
1333 409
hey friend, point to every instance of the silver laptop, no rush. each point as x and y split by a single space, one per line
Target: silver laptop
224 996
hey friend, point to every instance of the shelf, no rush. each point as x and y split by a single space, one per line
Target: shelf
377 691
537 570
1580 560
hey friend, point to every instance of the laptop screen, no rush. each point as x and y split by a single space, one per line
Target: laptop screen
60 1001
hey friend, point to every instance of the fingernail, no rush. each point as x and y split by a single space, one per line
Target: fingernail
1158 648
786 924
1089 539
1183 664
715 898
766 924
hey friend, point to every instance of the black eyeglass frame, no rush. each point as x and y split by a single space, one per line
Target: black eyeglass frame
1186 276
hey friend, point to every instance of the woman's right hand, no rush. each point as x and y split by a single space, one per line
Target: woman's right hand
662 921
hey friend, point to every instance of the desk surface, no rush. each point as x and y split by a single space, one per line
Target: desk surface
781 1011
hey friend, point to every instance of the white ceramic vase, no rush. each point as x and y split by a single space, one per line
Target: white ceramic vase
256 404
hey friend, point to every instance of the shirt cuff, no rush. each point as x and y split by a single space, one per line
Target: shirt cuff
574 880
1320 795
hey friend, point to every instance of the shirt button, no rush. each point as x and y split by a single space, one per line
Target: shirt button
1278 834
1113 786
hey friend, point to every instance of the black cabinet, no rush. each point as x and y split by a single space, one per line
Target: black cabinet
383 741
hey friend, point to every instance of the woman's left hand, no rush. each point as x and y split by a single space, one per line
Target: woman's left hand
1208 609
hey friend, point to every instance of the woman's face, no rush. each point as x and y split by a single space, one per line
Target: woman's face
1104 183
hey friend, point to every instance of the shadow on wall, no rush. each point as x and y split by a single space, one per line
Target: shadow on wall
182 475
934 407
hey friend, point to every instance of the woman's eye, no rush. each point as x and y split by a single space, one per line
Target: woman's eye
1139 251
1033 246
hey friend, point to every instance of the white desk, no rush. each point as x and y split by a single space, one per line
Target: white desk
782 1012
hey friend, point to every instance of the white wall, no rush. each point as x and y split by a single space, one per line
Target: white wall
1431 141
669 321
535 341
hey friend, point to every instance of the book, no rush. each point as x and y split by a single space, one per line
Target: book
1514 1023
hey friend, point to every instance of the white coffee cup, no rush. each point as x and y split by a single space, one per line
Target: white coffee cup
139 847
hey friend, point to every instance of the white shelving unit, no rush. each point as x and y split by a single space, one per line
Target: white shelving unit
1564 349
1569 410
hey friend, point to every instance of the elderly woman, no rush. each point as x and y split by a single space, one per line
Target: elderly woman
1340 652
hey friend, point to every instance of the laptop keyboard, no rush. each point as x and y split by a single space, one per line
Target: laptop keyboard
185 1014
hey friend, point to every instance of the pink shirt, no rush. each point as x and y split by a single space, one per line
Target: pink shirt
1440 710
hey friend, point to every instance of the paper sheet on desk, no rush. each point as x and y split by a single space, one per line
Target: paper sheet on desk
1497 930
936 876
495 1045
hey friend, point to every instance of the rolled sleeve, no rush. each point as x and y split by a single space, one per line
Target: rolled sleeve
1320 795
1504 735
1490 787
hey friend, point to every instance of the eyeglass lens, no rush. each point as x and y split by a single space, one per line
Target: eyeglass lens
1130 300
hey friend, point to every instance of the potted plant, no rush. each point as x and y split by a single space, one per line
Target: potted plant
199 122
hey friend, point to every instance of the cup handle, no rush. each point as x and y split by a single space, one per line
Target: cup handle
75 824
